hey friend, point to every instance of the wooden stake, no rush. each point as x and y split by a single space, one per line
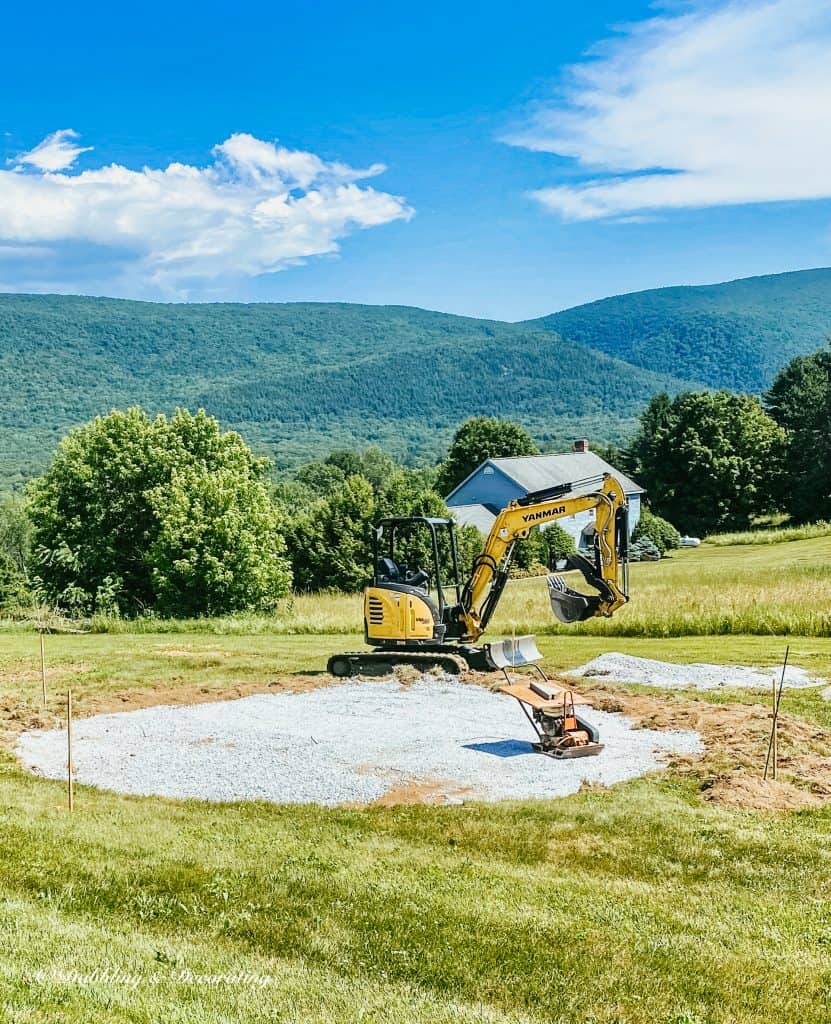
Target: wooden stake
42 670
773 744
69 780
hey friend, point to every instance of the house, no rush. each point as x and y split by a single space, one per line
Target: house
489 488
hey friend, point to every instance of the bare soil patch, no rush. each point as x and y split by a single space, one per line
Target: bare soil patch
736 741
729 771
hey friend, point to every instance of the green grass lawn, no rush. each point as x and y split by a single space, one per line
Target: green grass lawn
638 904
641 904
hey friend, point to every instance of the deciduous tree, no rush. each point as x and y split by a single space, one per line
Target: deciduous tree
170 515
708 459
800 401
479 439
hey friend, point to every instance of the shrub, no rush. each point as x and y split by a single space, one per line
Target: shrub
560 543
541 550
660 531
644 550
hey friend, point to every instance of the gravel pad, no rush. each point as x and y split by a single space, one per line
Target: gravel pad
624 668
351 742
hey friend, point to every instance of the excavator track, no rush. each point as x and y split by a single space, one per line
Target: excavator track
356 663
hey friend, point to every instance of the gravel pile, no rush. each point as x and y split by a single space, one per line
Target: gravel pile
624 668
351 742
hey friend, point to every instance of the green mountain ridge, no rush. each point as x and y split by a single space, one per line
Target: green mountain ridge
299 379
736 335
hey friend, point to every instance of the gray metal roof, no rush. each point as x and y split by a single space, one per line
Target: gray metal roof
534 472
474 515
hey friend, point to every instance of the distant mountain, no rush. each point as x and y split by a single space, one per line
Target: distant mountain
299 379
734 335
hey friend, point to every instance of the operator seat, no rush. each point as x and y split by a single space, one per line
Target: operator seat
418 579
387 571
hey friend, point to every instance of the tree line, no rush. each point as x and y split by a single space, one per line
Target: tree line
172 516
716 461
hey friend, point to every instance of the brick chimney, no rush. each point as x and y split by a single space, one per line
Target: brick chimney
582 445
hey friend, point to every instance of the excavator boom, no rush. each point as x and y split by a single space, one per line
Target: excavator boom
605 574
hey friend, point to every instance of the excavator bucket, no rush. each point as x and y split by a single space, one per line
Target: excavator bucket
514 653
569 605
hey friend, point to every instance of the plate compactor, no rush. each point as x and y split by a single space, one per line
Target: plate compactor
561 732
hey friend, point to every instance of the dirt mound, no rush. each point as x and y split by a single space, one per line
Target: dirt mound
736 742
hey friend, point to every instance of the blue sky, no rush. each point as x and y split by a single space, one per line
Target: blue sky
488 159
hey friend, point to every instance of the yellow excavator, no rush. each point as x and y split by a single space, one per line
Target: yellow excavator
428 618
421 618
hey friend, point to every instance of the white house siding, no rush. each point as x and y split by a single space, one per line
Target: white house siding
574 525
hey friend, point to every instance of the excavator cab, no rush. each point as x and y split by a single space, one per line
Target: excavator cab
415 582
418 552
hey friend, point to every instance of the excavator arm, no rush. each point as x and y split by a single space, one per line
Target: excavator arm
605 574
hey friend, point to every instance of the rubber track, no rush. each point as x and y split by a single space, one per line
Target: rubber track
455 663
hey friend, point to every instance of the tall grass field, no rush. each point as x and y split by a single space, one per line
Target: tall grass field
751 588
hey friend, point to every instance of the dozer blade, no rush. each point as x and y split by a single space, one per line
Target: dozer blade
521 650
569 605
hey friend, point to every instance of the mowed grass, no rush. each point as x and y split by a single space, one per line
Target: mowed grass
101 665
637 904
641 904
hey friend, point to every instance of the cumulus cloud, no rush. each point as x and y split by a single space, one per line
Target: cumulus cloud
256 208
722 105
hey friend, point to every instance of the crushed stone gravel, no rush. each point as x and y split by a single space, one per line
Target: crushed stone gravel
345 743
625 668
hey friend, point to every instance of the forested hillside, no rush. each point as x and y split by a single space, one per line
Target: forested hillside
298 379
735 335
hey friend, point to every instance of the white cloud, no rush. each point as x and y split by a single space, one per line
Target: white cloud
257 208
55 153
724 105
